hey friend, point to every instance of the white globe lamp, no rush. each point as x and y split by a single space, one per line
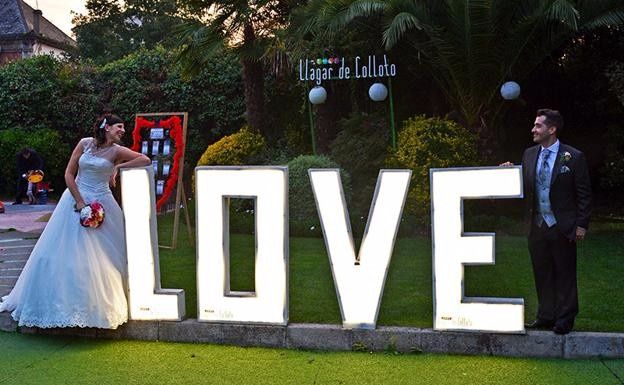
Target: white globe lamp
317 95
378 92
510 90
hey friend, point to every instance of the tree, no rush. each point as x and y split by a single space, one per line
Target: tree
112 29
246 27
471 46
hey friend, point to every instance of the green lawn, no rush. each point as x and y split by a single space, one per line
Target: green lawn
28 359
407 299
36 359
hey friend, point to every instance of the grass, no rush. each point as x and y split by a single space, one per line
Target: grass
34 359
407 299
28 359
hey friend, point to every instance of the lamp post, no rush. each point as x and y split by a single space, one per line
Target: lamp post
336 68
316 95
378 93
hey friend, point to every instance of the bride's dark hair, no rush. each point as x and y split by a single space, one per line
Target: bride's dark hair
98 129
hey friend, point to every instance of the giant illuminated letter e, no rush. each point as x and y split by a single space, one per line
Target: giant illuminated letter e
452 249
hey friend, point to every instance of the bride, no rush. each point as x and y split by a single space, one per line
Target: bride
75 275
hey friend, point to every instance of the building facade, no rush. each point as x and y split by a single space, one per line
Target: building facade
24 32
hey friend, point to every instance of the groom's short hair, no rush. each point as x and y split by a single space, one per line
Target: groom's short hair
551 118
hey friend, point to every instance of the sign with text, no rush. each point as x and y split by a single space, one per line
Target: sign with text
359 276
369 67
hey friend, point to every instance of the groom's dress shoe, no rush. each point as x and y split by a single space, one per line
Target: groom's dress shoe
540 324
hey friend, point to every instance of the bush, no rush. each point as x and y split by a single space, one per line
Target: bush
426 143
615 74
29 93
215 102
286 102
361 148
148 81
47 143
45 92
239 148
613 169
304 219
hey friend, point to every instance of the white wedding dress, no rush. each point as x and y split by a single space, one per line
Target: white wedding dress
76 276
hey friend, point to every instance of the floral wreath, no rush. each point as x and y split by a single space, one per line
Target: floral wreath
176 132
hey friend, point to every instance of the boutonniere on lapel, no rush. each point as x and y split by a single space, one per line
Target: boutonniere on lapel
564 158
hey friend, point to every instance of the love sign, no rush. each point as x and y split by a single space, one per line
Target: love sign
359 276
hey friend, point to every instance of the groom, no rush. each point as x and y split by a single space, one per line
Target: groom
558 196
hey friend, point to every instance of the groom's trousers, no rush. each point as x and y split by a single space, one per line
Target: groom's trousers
554 269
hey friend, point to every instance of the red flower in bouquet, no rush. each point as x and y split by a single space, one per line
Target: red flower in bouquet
92 215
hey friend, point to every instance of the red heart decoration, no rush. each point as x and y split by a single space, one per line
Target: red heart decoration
176 132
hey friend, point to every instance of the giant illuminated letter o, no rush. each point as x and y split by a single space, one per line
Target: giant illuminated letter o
267 187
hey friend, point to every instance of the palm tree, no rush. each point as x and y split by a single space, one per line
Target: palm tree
471 46
246 27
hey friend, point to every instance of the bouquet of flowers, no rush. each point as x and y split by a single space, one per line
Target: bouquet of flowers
92 215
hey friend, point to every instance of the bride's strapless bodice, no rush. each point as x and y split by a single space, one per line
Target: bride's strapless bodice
95 169
94 174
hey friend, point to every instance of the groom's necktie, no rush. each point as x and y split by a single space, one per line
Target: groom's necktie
545 169
544 213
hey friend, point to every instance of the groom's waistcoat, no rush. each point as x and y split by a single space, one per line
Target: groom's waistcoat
570 189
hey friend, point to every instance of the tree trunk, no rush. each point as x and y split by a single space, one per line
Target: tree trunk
329 114
253 79
484 130
487 144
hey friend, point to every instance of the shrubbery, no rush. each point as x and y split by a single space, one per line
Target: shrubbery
426 143
613 169
614 161
239 148
148 81
615 73
30 90
47 143
244 147
304 219
44 92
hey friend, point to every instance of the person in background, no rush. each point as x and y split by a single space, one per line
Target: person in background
27 160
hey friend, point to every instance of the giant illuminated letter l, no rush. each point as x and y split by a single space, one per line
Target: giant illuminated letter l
146 299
